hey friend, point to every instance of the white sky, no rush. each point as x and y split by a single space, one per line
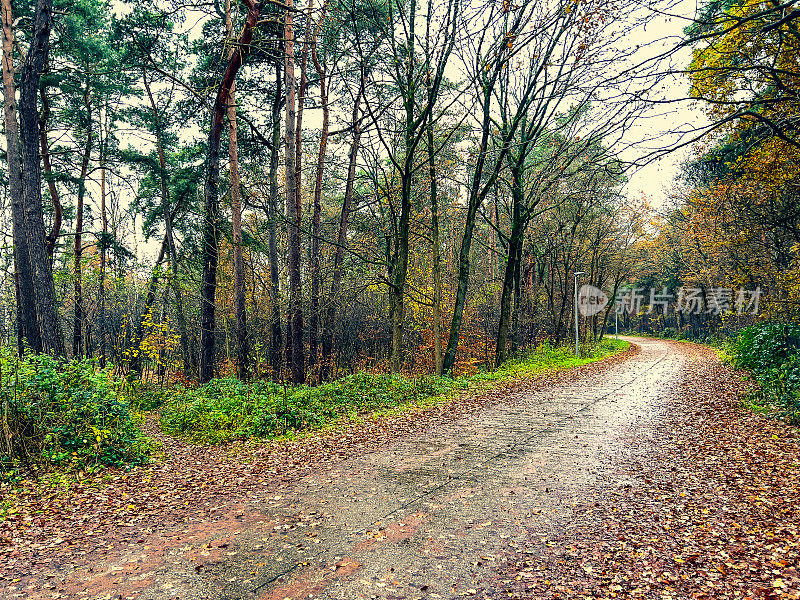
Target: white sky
662 125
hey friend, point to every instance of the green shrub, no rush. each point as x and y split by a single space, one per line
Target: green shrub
669 333
64 415
769 351
765 346
226 409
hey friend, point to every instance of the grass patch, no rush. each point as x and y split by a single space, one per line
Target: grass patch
228 409
546 358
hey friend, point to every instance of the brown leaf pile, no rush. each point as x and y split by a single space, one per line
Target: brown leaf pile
712 510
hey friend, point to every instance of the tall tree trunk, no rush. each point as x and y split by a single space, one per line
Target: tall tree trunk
20 326
242 345
397 289
276 338
242 348
169 236
103 251
506 299
58 210
514 243
210 248
437 257
517 294
313 326
27 323
341 241
77 333
477 193
294 207
462 283
44 295
210 256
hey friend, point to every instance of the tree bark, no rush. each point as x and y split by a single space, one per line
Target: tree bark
58 210
103 250
310 44
294 207
242 345
44 290
210 249
78 345
242 348
313 326
462 282
512 266
436 258
20 328
483 180
397 289
515 318
27 323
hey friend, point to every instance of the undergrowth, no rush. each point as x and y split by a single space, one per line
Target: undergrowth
60 417
228 409
771 353
64 415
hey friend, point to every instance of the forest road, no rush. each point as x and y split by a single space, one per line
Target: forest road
430 515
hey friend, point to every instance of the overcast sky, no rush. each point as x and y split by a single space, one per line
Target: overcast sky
666 124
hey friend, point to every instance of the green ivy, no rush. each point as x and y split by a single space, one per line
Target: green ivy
226 409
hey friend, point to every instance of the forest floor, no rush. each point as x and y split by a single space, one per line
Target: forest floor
637 477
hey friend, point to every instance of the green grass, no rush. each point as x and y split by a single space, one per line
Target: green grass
546 358
227 409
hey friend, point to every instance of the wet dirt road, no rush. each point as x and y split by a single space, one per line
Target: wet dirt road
427 516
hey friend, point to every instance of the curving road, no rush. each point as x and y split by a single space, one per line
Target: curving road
428 516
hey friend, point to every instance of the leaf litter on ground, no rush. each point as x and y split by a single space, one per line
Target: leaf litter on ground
712 509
